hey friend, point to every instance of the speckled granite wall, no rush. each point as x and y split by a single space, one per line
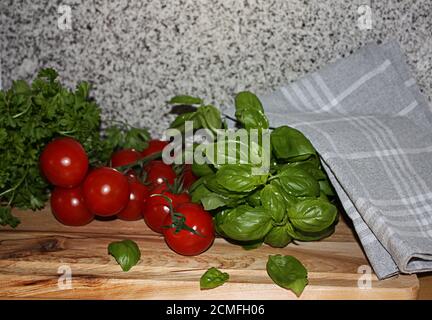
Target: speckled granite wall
140 52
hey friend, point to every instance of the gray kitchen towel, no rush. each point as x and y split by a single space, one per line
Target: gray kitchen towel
372 128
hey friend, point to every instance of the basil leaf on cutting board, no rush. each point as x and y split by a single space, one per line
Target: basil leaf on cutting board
213 278
287 272
126 253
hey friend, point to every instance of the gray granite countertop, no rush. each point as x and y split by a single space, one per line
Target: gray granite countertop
139 53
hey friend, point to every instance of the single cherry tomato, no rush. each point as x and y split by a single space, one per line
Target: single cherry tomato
131 174
154 146
186 242
68 206
64 162
159 173
137 197
159 188
188 176
156 208
124 157
176 198
106 191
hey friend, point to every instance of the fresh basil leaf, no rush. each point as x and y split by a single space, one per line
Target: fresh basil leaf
213 201
287 272
244 223
181 119
323 196
212 184
210 117
299 183
312 215
185 99
200 191
218 220
273 201
254 199
230 151
278 237
196 184
310 168
239 178
310 236
327 188
290 200
290 144
246 100
126 253
213 278
249 111
252 245
252 119
201 170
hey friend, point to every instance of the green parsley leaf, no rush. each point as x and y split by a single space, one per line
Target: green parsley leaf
6 218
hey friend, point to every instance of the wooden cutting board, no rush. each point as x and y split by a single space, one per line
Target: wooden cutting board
34 257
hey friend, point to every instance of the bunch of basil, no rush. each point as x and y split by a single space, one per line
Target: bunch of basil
293 200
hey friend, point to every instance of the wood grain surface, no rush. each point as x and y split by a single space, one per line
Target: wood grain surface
33 257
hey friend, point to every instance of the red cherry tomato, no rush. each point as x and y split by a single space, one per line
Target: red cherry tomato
106 191
176 198
159 188
64 162
131 174
154 146
68 207
186 242
188 177
159 173
156 208
124 157
137 197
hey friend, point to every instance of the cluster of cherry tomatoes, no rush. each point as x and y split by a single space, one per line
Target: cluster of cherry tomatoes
82 193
